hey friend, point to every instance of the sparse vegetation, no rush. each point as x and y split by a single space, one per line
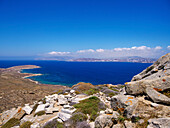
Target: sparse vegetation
78 117
39 113
35 107
54 124
111 94
12 122
89 106
91 91
26 124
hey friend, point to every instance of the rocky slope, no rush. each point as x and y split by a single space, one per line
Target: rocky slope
142 103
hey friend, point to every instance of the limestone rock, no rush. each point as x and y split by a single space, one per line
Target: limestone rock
104 121
35 125
115 115
27 109
122 101
156 96
118 126
159 69
129 124
40 107
159 123
63 116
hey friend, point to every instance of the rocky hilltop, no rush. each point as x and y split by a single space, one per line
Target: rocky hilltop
142 103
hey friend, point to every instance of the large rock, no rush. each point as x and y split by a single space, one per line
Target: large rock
27 109
40 107
156 76
146 109
159 69
159 123
120 102
104 121
156 96
139 87
63 116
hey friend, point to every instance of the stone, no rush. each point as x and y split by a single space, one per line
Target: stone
35 125
141 121
66 106
108 111
26 118
59 120
156 96
68 111
92 125
72 91
120 102
55 109
118 126
63 116
129 124
62 100
159 123
15 127
27 109
103 121
115 115
49 111
19 113
40 107
102 112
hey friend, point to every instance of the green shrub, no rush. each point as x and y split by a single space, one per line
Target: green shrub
26 124
78 117
111 94
53 124
40 113
12 122
121 119
89 106
91 91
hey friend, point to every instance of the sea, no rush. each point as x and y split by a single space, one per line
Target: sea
70 73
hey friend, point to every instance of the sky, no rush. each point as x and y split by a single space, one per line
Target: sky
31 29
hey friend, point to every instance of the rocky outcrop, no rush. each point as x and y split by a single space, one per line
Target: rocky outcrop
159 123
159 69
152 81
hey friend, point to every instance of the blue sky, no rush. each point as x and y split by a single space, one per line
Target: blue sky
34 28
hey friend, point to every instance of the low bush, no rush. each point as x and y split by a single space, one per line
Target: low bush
78 117
89 106
12 122
53 124
91 91
26 124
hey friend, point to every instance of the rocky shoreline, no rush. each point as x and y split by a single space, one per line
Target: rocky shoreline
142 103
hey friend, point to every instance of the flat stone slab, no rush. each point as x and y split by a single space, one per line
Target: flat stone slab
40 107
63 116
27 109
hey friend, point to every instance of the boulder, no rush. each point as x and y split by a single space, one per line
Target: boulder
63 116
156 96
129 124
159 123
159 69
27 109
115 114
62 100
104 121
156 76
40 107
120 102
68 111
26 118
118 126
35 125
139 87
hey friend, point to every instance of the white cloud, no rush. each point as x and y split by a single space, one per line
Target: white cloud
143 51
168 47
84 51
58 53
158 48
99 50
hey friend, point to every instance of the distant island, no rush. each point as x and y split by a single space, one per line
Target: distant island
135 59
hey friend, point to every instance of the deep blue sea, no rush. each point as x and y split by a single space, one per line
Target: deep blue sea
70 73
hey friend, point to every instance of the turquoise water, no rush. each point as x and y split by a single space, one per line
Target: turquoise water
70 73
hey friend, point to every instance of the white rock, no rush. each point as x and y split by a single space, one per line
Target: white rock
92 124
108 111
102 112
59 120
63 116
49 111
35 125
55 109
68 111
40 107
66 106
27 109
26 118
47 105
15 127
72 91
68 96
